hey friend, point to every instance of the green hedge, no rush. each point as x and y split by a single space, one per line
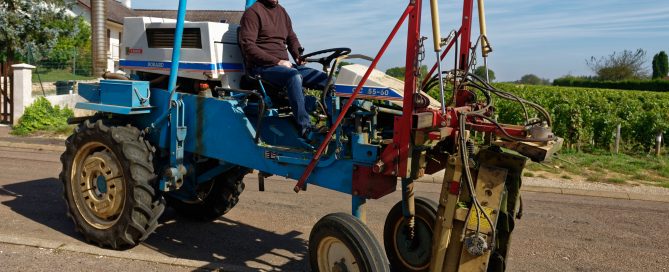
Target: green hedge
590 116
640 85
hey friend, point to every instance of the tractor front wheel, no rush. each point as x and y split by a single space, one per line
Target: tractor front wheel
108 180
341 242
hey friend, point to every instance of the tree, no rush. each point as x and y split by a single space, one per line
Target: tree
71 45
30 24
660 65
664 64
532 79
396 72
626 65
399 72
480 72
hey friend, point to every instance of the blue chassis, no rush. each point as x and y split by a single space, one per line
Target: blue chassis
224 129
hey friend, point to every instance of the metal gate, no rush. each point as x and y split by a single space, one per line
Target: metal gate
6 91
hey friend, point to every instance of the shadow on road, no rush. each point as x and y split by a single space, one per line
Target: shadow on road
41 201
224 241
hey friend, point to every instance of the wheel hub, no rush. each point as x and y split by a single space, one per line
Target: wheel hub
415 252
102 185
335 256
98 185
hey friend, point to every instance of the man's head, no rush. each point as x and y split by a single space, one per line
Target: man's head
270 3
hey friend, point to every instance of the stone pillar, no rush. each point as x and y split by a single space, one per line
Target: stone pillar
23 89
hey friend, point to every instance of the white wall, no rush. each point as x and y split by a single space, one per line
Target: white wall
69 101
114 50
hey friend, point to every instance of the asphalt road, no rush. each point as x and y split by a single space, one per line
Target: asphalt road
268 230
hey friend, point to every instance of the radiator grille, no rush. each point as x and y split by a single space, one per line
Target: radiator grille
164 38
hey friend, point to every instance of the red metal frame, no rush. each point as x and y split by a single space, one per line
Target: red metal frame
403 124
463 97
394 158
312 164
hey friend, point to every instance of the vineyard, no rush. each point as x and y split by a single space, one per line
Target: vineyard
588 117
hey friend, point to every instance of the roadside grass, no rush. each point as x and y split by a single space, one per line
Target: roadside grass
603 166
56 75
616 180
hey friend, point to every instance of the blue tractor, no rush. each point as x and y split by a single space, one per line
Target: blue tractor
185 133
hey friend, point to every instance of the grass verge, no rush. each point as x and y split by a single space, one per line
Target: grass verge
603 166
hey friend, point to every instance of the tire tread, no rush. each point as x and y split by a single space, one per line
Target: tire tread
141 218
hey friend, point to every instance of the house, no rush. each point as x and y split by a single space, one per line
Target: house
119 9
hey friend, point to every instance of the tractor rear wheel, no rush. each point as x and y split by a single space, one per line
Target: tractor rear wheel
341 242
404 253
215 198
109 180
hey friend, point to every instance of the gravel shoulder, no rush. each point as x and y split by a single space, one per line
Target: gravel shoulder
594 186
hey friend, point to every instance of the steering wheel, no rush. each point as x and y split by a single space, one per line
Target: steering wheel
325 61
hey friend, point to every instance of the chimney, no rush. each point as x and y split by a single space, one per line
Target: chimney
126 3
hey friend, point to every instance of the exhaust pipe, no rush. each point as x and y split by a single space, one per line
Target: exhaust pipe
99 36
110 75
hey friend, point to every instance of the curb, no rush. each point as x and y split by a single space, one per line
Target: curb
32 146
126 255
574 192
437 179
591 193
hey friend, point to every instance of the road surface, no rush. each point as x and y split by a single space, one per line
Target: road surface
268 230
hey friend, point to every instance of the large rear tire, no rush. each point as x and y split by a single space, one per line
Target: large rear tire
405 254
341 242
215 198
109 184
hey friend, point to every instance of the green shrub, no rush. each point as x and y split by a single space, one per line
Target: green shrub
42 116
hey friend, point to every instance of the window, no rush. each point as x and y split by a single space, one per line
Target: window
164 38
108 42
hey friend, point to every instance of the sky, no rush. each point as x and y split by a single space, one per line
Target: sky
548 38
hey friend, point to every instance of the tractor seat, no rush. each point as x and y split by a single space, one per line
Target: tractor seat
277 95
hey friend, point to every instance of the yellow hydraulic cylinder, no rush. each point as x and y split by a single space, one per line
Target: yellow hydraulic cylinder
482 24
436 29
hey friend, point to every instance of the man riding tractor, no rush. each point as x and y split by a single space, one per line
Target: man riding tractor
266 31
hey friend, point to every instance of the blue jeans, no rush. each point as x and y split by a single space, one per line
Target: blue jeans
293 79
